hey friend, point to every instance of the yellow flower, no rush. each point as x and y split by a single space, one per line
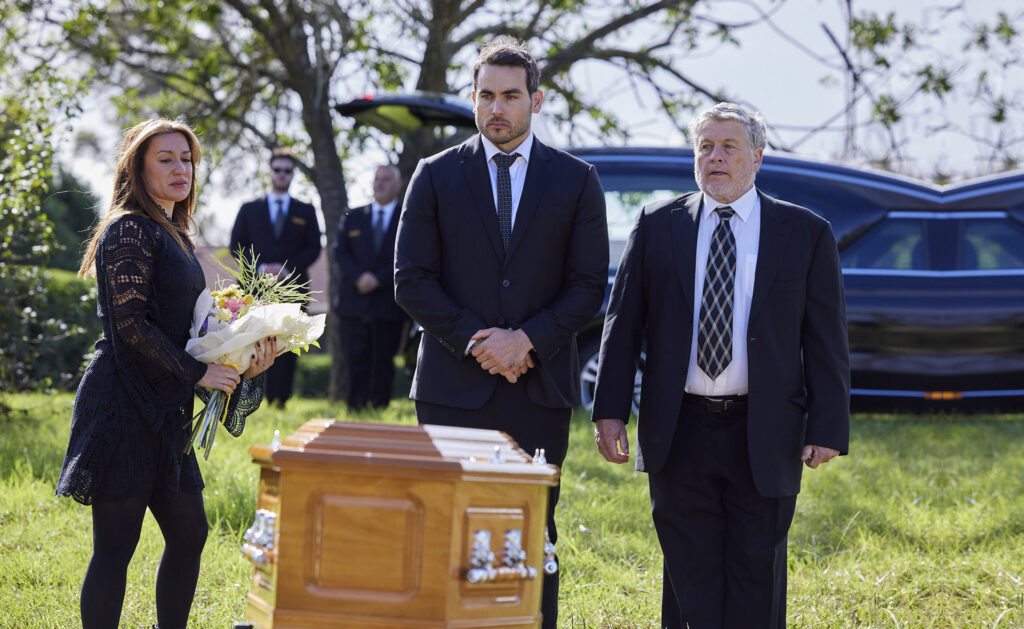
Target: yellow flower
247 300
223 315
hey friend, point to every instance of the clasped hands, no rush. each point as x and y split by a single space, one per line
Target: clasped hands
367 283
277 269
501 351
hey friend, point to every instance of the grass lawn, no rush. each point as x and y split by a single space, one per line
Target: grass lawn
923 526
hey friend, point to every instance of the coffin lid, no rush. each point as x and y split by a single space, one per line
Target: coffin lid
425 447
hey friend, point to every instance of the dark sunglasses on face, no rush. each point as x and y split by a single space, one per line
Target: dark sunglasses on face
282 171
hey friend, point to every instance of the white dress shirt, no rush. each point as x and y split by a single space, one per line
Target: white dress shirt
516 172
273 201
746 227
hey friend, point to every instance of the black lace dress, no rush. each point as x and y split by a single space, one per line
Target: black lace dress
132 411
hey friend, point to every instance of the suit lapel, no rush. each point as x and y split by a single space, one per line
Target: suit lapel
534 186
362 221
478 181
685 218
264 213
771 244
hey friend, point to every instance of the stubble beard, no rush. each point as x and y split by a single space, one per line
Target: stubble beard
725 192
499 139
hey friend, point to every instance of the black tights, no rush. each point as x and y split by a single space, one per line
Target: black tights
115 533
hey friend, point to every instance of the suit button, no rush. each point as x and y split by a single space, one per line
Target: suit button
506 283
502 322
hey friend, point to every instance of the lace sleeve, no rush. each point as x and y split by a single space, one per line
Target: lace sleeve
244 402
127 256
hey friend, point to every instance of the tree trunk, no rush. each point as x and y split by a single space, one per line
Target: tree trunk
330 183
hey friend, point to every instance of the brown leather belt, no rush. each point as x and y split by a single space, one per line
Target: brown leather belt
723 404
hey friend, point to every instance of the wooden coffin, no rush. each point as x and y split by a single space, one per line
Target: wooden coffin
369 525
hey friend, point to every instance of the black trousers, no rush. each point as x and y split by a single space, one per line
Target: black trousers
280 377
724 544
510 410
370 346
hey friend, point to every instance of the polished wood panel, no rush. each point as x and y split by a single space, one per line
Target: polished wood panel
374 526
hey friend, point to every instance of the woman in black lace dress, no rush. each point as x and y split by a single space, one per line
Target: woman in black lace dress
130 424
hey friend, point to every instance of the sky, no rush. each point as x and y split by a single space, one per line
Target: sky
770 70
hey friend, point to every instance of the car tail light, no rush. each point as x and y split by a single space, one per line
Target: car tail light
943 395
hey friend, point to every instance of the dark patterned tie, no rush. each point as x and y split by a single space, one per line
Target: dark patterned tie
505 196
279 219
378 230
714 331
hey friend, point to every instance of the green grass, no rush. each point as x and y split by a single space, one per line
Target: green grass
922 526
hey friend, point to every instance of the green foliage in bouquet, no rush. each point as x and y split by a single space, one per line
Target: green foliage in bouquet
265 287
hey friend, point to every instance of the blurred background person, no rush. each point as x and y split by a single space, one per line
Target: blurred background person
371 321
284 232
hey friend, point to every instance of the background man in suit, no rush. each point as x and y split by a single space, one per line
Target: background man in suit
285 234
502 256
740 298
371 321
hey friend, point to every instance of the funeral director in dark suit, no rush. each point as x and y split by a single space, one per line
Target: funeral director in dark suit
740 299
285 233
502 256
371 322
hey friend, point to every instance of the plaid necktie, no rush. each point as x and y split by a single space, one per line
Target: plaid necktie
714 331
505 196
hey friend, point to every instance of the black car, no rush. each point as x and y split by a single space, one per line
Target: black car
934 276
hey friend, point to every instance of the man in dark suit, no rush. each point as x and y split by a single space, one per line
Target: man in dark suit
740 300
502 256
285 234
371 321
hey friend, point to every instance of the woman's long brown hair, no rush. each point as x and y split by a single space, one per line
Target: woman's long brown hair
130 194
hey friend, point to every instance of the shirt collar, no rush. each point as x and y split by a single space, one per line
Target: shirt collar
523 149
743 206
283 198
387 207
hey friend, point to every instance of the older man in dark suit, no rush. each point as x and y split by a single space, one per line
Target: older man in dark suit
371 322
285 233
740 300
502 256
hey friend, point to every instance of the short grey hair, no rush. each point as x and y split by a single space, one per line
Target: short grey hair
753 122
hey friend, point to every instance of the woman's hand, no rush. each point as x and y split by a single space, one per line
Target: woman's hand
220 377
263 358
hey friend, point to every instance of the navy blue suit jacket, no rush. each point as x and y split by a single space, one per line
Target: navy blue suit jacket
355 252
797 346
453 277
299 244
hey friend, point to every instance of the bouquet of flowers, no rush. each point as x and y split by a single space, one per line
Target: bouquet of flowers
228 322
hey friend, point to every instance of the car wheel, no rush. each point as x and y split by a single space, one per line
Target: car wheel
588 375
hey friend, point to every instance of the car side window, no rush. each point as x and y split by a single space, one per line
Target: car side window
627 190
988 244
898 244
